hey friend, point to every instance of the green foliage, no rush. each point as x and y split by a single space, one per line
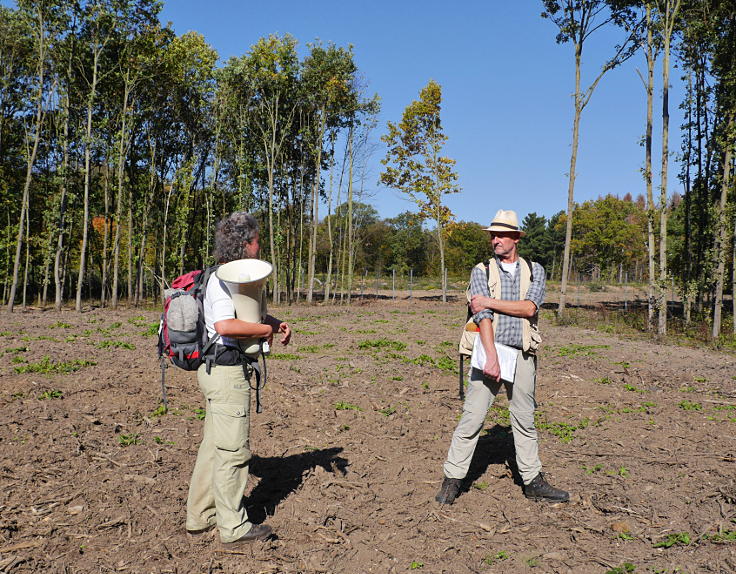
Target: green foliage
690 406
47 366
387 411
382 343
284 356
580 350
200 414
50 394
128 439
114 345
416 565
675 539
623 569
343 406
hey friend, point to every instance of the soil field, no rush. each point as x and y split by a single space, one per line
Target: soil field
358 415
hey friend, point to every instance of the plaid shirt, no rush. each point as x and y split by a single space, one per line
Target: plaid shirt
508 329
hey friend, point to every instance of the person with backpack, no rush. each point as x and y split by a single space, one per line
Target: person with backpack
221 470
506 295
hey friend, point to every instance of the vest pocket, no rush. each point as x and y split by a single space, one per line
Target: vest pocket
229 426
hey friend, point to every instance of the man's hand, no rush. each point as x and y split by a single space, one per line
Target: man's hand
492 369
478 303
285 330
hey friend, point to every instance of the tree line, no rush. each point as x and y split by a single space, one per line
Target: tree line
121 144
700 36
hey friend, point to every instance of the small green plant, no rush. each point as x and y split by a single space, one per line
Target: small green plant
49 395
500 556
592 469
580 350
688 389
625 536
603 380
532 562
14 350
624 364
387 411
128 439
397 378
480 485
115 345
60 325
160 411
200 414
564 431
422 361
723 536
138 321
425 385
284 356
633 389
415 565
16 360
344 428
151 330
159 440
47 366
342 406
445 363
623 569
675 539
382 343
690 406
700 379
17 395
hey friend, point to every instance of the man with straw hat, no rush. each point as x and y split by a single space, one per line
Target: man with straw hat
506 295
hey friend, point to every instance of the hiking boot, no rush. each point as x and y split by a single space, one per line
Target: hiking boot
449 490
256 532
199 531
540 489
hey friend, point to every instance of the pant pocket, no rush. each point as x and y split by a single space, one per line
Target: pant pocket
229 426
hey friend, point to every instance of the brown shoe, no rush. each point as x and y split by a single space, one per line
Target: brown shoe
256 532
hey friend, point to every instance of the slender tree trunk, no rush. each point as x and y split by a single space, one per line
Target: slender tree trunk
87 178
119 195
723 226
350 230
651 211
315 211
328 277
669 18
31 157
571 183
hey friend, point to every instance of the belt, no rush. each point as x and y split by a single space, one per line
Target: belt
227 356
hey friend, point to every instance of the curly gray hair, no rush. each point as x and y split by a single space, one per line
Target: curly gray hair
231 233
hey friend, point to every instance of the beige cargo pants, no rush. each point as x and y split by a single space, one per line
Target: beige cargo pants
221 471
480 395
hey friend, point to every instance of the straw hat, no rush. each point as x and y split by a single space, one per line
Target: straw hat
505 221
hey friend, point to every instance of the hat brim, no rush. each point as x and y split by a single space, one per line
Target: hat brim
500 229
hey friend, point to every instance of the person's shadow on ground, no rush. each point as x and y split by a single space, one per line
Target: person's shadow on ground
282 475
495 446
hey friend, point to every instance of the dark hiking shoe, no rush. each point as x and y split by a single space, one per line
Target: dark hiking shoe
257 532
449 490
199 531
540 489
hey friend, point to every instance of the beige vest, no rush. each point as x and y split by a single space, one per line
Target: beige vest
531 337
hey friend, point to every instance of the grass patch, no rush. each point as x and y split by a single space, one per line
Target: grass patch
128 439
284 356
564 431
675 539
343 406
382 343
690 406
60 325
115 345
580 350
47 366
49 395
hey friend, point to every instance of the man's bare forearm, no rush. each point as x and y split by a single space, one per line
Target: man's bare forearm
525 308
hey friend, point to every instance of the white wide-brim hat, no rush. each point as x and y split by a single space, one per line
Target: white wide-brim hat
505 221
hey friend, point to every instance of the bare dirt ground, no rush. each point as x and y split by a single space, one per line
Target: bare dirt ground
348 452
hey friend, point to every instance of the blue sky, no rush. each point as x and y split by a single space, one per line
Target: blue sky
507 91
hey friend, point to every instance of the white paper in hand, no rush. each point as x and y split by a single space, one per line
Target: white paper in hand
506 358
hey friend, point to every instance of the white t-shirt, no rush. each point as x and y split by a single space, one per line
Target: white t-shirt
510 268
218 306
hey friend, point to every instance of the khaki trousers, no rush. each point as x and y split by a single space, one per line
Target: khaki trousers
221 471
480 395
